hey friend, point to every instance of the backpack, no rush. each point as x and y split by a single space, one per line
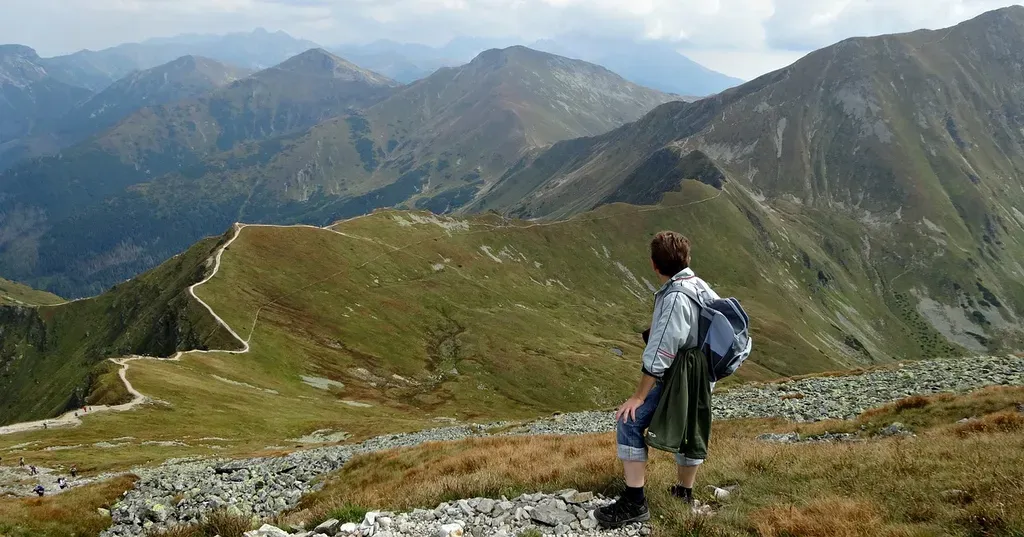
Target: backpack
722 332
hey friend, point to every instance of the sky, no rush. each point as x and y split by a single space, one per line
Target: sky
742 38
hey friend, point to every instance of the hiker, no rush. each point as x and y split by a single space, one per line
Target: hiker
32 470
39 490
674 328
21 461
74 470
62 483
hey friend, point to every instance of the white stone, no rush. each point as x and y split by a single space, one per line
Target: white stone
348 527
267 530
328 526
450 530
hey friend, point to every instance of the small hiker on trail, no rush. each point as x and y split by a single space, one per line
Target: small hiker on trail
46 425
74 470
671 407
32 470
21 461
62 483
39 490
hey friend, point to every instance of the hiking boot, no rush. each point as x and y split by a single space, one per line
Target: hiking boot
622 512
684 494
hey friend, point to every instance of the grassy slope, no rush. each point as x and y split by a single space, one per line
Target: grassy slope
878 487
12 293
53 355
529 346
899 156
468 336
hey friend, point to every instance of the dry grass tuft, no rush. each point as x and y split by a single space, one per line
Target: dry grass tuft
825 517
792 396
71 514
427 475
908 403
1009 421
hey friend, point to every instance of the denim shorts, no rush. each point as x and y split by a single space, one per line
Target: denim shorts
630 436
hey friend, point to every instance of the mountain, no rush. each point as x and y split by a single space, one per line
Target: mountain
182 171
180 79
31 95
654 64
903 154
183 78
52 357
404 62
43 193
254 50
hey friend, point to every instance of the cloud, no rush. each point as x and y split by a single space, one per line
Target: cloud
757 33
803 25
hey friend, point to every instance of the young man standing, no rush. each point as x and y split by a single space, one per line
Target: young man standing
673 328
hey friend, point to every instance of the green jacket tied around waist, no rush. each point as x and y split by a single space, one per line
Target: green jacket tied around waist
682 421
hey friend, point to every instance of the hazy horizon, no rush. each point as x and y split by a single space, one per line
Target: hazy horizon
739 38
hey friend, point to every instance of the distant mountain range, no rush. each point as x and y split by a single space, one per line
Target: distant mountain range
315 138
654 64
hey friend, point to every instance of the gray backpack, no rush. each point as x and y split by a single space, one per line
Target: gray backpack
723 332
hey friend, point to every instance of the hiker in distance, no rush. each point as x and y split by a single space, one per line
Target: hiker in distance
695 339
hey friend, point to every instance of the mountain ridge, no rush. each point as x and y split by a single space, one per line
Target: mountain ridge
179 179
899 168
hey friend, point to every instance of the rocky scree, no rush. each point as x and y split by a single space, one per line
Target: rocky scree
267 486
567 512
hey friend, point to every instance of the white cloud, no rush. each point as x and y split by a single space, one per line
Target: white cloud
735 36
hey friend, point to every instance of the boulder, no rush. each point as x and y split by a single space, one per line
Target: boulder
779 438
485 506
348 527
896 429
328 526
549 515
267 530
450 530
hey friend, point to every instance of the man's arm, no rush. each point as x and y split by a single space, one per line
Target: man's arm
668 334
628 409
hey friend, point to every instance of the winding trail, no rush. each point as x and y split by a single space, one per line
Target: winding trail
73 418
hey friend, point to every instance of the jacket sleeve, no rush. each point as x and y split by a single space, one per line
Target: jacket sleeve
669 332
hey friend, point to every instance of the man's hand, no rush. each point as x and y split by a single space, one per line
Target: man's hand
628 409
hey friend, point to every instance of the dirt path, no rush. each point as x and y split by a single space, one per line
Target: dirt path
72 418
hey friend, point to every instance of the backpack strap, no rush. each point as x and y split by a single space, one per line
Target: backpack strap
698 299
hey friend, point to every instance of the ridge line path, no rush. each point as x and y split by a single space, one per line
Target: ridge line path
72 417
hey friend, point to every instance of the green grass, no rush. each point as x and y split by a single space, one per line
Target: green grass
50 354
12 293
419 321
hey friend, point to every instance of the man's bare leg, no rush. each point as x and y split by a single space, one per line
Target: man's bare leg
686 475
635 473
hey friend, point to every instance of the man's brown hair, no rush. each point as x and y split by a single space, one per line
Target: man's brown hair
670 253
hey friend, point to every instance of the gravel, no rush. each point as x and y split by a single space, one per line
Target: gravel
184 491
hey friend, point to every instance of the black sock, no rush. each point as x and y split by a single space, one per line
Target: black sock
634 494
683 492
